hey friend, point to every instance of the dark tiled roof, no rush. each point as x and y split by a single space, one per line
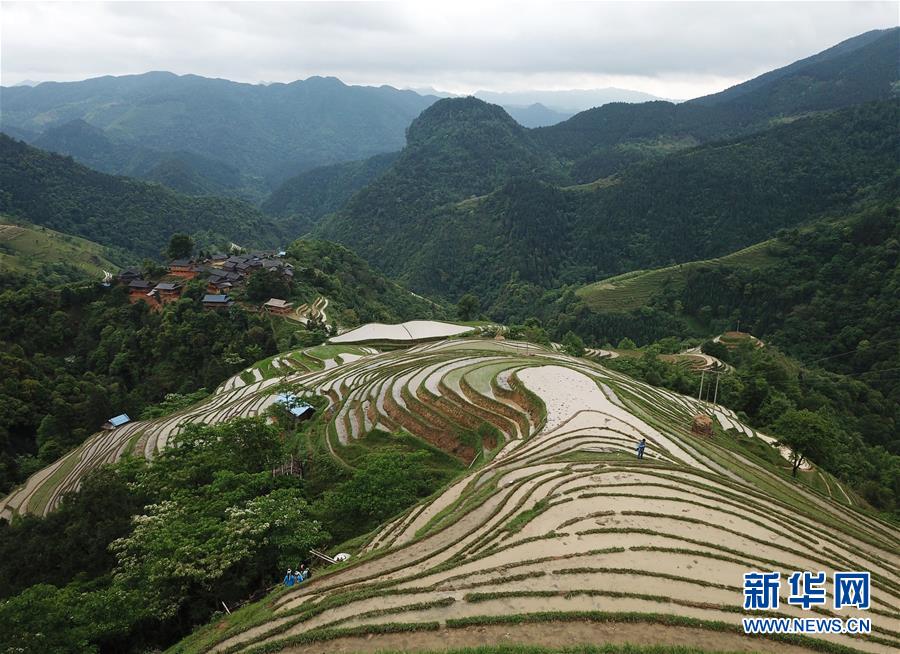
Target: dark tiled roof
139 283
216 299
167 286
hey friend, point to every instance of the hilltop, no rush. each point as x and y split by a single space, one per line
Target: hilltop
457 149
51 190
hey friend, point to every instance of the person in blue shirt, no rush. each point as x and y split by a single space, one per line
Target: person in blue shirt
640 448
289 579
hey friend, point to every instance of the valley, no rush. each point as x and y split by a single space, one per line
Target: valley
506 377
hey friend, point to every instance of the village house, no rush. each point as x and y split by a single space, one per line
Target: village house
138 290
184 268
278 307
218 284
128 275
167 291
216 301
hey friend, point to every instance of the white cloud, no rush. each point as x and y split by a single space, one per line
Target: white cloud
672 49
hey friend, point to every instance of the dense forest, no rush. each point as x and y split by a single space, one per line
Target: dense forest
52 190
108 571
304 199
693 204
76 355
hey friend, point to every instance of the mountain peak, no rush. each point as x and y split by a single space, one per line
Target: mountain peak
468 112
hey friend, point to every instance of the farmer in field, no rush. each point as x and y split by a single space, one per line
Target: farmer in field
641 447
289 579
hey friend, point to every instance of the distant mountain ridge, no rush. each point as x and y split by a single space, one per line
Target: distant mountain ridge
604 140
430 233
270 132
569 101
185 172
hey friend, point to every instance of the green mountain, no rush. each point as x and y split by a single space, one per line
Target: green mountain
828 292
458 150
54 191
309 196
182 171
265 131
694 204
601 141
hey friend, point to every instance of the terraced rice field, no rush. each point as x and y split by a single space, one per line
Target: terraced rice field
559 523
314 311
406 332
246 394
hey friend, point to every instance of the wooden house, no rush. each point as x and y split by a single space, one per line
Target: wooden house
217 301
278 307
167 291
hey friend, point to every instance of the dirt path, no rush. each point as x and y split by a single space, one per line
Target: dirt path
550 634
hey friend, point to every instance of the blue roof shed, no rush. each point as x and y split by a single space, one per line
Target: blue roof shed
117 421
297 408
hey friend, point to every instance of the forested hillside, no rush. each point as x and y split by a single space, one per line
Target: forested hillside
265 131
604 140
356 293
80 353
182 171
52 190
695 204
304 199
75 356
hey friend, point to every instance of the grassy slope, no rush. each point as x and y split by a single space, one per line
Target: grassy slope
26 248
634 289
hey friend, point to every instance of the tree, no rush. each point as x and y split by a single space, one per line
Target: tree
467 307
180 246
573 344
809 435
387 482
264 284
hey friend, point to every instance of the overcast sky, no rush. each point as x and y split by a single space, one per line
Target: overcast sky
674 50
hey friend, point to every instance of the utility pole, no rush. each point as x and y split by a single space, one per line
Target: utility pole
716 393
702 373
